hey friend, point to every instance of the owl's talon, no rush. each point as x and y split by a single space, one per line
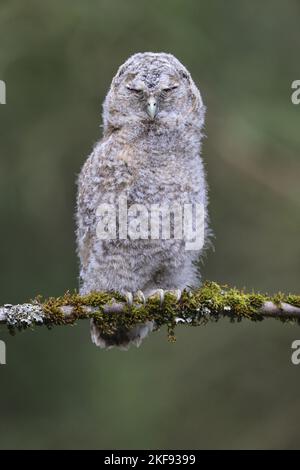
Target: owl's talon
177 293
161 294
140 296
129 298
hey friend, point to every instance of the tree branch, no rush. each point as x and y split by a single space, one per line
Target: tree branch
111 311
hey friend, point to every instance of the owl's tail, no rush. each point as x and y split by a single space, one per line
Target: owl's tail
123 338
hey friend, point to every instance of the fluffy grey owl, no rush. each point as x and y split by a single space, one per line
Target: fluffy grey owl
149 155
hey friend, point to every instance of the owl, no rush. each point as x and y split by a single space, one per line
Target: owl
149 157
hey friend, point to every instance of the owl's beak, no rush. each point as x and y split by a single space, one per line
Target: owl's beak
152 107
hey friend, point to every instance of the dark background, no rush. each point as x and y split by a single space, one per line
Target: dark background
221 386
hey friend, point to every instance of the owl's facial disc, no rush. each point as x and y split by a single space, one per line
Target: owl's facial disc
152 92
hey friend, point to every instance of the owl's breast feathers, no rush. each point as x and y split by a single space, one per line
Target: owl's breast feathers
151 167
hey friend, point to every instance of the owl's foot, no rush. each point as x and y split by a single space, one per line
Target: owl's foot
160 293
139 296
130 298
177 293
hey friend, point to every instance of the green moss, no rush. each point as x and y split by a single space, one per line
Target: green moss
209 303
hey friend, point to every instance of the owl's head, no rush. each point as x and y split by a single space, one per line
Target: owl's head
152 88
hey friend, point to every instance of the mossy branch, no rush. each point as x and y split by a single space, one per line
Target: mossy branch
110 310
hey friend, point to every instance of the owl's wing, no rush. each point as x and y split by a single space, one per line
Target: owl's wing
97 184
90 188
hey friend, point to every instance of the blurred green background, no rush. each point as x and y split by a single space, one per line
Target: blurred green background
220 386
